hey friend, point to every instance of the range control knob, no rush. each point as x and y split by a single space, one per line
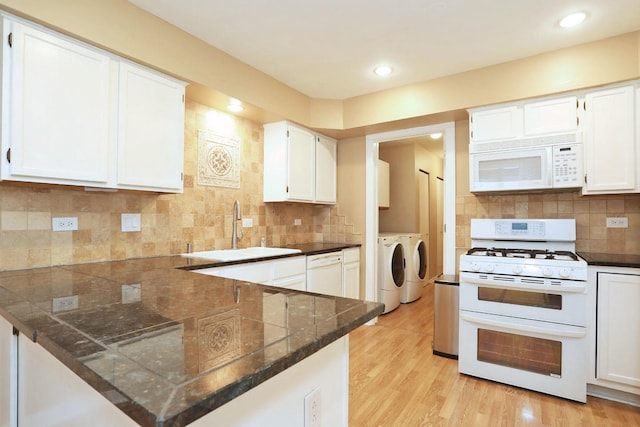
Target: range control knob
564 273
517 269
489 268
546 271
475 266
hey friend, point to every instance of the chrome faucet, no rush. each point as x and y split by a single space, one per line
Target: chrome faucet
237 216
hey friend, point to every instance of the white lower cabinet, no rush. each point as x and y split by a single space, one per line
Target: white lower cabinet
7 378
287 272
351 273
50 394
614 340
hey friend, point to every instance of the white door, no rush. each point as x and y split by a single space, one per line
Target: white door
440 226
61 120
326 169
610 141
425 206
150 130
302 164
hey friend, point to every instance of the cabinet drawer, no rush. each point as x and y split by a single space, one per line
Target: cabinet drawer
350 255
289 267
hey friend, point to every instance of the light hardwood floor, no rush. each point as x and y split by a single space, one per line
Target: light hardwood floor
395 380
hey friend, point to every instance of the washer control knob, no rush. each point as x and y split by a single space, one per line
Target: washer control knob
546 271
517 269
564 273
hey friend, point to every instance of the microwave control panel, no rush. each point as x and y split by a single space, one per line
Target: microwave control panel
567 165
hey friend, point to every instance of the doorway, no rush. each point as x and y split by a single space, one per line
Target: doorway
372 217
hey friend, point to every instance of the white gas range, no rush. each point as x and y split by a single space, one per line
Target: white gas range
523 306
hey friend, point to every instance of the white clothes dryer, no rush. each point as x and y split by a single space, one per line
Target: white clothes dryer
391 273
416 268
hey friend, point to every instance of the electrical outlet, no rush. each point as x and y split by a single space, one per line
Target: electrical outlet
620 222
297 221
131 293
247 222
64 224
313 408
64 303
130 222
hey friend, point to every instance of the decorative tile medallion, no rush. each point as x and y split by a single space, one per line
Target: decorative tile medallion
218 160
218 339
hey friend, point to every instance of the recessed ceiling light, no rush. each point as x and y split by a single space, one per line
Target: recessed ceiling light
436 135
383 70
573 19
235 105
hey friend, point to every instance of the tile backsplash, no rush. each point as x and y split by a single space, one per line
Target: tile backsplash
590 213
201 215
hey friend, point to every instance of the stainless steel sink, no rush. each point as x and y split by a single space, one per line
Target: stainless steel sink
240 254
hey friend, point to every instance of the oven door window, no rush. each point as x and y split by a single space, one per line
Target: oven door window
529 299
537 355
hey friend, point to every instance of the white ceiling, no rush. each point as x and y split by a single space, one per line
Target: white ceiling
328 48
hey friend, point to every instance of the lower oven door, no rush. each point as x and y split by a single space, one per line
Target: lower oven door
526 297
539 356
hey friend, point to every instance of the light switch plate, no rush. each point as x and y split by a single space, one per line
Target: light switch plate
64 303
130 222
297 221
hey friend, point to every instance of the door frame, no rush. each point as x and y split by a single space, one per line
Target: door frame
371 198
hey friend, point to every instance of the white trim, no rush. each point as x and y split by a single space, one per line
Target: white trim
371 198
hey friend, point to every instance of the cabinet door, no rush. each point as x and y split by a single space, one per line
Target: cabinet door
150 130
552 116
610 141
302 164
618 341
326 169
496 124
60 110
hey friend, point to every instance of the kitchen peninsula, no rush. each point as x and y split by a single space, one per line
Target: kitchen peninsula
170 348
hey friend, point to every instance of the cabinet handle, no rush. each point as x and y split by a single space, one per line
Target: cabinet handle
10 39
9 155
585 178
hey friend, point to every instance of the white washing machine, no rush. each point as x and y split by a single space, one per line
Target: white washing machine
391 274
416 268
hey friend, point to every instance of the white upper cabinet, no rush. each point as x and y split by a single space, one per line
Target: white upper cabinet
524 119
299 165
495 124
57 109
553 116
150 131
611 141
326 169
76 115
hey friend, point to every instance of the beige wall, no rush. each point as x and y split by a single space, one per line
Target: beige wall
123 28
201 215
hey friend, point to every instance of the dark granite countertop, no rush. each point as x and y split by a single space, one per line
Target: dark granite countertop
141 333
611 260
320 248
447 279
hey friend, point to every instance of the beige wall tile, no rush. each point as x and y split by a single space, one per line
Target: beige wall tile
201 215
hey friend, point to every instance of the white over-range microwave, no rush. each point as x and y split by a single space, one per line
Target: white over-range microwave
526 164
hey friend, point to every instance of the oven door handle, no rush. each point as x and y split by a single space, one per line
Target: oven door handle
531 287
559 332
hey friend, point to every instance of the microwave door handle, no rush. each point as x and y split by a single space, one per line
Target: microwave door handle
519 328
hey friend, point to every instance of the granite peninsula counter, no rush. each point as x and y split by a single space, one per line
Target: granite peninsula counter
165 345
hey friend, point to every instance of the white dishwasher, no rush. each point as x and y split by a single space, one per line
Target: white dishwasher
324 273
